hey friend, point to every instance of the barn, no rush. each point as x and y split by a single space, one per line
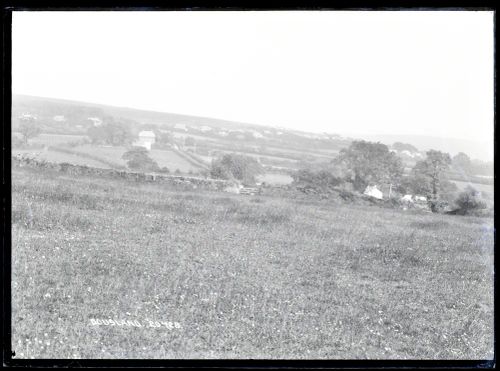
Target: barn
374 192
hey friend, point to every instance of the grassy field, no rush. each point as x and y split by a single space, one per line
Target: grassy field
276 179
230 276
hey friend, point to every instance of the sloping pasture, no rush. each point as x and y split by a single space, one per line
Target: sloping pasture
229 276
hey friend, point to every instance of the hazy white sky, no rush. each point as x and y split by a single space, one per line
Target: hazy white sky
425 73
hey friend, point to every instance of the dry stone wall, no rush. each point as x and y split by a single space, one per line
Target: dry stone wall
187 182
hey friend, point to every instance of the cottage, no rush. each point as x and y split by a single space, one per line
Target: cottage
59 118
146 139
374 192
407 199
27 116
96 121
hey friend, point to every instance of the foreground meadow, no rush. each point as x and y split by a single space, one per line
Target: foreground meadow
212 275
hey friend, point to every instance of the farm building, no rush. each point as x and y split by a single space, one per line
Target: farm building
374 192
414 198
96 121
27 116
59 118
146 139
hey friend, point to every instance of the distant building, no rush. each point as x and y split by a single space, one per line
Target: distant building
27 116
180 127
256 134
374 192
146 139
96 121
223 133
407 153
59 118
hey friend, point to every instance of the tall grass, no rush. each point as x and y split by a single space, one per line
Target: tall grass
244 279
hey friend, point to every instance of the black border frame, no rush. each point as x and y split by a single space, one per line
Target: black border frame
155 5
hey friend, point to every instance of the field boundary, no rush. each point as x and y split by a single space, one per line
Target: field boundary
188 182
195 162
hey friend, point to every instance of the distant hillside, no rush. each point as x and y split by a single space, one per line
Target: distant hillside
58 116
71 117
49 107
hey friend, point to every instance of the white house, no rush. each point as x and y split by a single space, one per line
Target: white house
59 118
27 116
407 198
95 120
256 134
146 139
374 192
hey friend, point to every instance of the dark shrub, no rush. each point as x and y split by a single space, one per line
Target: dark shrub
469 201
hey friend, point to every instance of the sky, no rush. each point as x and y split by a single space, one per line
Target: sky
377 73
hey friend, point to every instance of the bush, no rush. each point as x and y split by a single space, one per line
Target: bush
319 181
469 201
138 159
240 167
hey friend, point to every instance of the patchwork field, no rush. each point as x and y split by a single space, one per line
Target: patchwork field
213 275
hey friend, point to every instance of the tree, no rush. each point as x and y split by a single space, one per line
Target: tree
370 162
138 159
189 142
321 180
469 201
234 166
462 163
427 176
111 132
28 129
163 137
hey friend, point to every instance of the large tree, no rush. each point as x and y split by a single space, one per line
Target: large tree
138 159
470 201
462 163
370 162
234 166
111 132
28 129
428 176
